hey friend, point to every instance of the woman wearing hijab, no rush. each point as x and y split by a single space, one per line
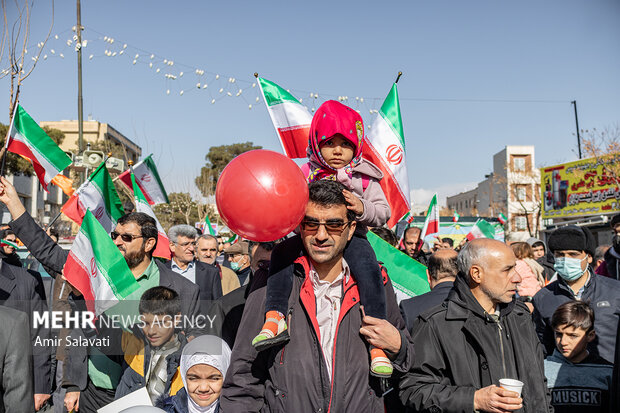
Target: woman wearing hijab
204 363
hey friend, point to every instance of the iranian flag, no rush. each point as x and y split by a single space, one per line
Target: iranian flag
384 146
407 275
481 229
431 222
7 243
98 195
148 180
27 139
502 219
209 226
455 217
97 268
290 118
162 249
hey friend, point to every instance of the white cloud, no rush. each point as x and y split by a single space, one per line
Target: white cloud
421 197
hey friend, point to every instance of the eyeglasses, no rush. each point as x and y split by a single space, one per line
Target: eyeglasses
124 237
333 227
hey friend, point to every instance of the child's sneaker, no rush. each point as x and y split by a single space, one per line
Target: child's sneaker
380 365
274 332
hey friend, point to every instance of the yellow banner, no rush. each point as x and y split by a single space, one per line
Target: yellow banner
579 188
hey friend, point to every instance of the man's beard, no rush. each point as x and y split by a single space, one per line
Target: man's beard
134 259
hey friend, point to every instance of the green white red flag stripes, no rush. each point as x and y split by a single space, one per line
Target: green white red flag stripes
98 195
384 146
7 243
431 222
407 275
97 268
455 217
27 139
209 226
162 249
502 218
290 118
148 180
481 229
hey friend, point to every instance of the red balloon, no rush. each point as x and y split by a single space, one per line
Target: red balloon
261 195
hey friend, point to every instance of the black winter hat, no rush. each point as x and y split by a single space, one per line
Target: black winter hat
615 221
572 237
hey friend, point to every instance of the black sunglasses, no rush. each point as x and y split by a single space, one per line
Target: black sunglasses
124 237
333 227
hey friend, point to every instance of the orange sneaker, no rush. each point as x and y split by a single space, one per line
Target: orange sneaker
274 332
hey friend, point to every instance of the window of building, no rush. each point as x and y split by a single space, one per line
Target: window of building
519 164
520 193
521 223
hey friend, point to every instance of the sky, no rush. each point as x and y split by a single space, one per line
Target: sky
477 75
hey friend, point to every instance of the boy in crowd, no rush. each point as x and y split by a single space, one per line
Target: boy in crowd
153 359
579 381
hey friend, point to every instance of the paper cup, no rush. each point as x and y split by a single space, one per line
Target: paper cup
512 385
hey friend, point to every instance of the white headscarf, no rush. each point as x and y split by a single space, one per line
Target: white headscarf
209 350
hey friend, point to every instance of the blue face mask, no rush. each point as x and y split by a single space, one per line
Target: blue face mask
235 266
569 268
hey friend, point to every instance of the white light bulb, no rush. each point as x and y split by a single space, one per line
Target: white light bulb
181 74
217 76
44 57
152 56
181 93
250 107
212 101
221 90
134 62
157 71
136 56
62 55
198 85
125 46
168 92
253 84
91 57
53 51
362 100
257 99
151 64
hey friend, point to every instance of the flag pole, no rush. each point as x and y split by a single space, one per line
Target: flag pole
8 134
398 77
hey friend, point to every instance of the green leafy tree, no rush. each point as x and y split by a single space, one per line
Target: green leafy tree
217 158
15 164
182 209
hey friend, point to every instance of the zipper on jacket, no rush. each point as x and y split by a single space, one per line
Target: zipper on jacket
288 316
501 344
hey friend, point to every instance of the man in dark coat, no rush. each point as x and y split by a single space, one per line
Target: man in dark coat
611 266
478 336
136 237
573 248
18 290
15 362
441 273
325 366
182 244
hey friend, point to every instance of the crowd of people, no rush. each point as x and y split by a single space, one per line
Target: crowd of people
311 323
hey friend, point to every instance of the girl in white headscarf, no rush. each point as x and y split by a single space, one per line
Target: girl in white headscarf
204 363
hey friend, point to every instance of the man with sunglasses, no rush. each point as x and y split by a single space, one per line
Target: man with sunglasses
135 236
325 364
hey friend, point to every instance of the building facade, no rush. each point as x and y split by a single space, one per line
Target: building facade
512 189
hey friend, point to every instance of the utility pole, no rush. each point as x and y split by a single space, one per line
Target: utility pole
78 29
574 103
